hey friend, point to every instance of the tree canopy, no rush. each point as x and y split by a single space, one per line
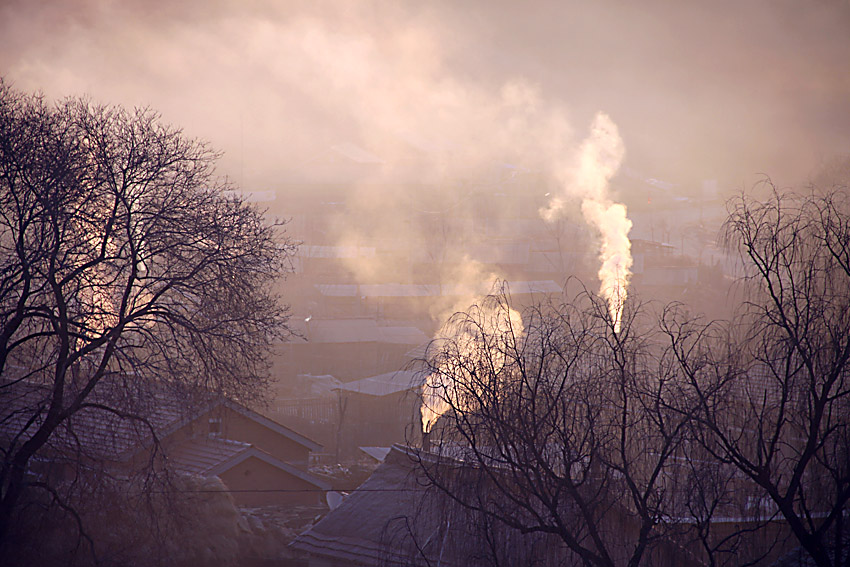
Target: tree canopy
125 265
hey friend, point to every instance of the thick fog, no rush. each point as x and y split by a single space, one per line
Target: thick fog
410 104
699 90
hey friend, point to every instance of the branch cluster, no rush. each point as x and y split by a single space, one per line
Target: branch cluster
675 439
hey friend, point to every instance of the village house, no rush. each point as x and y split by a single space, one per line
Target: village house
394 519
261 461
399 518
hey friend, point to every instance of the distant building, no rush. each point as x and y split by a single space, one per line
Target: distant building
378 410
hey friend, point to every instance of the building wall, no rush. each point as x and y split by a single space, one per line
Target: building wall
230 424
276 486
377 420
239 428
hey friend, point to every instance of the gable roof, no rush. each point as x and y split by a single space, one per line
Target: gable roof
394 519
213 456
356 529
109 429
201 455
271 424
120 434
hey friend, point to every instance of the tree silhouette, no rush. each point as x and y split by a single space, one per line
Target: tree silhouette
125 267
780 411
558 425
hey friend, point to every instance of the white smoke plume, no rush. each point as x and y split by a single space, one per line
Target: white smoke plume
473 348
588 178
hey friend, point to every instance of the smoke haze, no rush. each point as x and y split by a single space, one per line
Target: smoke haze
703 90
423 97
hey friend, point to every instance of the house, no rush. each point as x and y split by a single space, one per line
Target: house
227 419
255 477
260 460
398 517
394 519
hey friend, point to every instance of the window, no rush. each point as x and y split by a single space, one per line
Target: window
215 426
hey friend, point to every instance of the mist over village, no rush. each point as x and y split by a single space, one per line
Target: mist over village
387 283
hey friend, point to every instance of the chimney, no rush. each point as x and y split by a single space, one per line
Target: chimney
426 441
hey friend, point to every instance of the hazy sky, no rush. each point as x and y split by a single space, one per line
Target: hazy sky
720 89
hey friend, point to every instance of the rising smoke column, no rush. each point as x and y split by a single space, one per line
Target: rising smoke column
470 347
598 160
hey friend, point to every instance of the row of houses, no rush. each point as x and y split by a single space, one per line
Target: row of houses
259 460
397 517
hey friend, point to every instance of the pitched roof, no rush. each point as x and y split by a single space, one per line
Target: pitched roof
394 519
377 453
98 433
356 530
271 424
213 456
118 433
200 455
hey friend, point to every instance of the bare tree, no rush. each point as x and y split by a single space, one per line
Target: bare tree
124 266
779 409
729 526
713 440
559 425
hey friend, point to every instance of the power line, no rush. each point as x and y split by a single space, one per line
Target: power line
275 490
